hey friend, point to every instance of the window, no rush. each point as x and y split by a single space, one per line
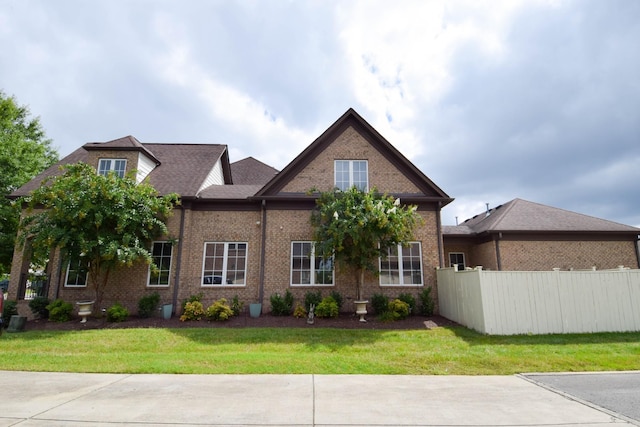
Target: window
76 274
225 264
309 269
161 254
402 266
116 166
351 172
457 258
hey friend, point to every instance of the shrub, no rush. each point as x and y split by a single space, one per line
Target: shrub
281 306
10 309
409 299
312 298
60 311
337 298
192 311
148 304
219 310
236 306
300 312
192 298
396 310
427 305
328 307
38 306
380 303
117 313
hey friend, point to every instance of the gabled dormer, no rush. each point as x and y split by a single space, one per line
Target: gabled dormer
122 156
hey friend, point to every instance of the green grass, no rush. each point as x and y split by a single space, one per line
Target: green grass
440 351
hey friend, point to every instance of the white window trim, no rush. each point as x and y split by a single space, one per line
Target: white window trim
66 278
155 285
313 269
351 180
225 259
400 270
112 165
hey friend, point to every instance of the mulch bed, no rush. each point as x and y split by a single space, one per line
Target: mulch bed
344 321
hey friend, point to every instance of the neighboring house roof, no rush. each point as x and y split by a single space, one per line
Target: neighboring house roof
250 171
429 190
523 216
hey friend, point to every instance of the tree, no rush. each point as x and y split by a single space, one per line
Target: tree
98 222
358 227
24 152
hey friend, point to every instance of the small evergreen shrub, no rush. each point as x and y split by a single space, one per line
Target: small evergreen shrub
300 312
192 298
396 310
281 306
117 313
337 298
427 305
38 306
312 298
219 310
409 299
236 306
328 307
10 309
60 311
380 303
148 304
192 311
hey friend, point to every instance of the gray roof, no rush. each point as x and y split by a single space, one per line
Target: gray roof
250 171
523 216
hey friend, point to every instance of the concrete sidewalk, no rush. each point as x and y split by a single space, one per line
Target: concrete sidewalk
61 399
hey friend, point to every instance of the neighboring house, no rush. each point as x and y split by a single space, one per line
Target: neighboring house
527 236
243 228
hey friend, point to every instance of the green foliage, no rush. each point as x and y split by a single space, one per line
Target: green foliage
25 151
236 306
38 306
192 311
337 297
380 303
60 311
311 297
427 304
148 304
300 312
10 309
359 227
328 307
192 298
410 300
281 306
104 222
117 313
219 310
396 310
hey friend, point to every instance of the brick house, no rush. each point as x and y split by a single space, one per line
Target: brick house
243 228
526 236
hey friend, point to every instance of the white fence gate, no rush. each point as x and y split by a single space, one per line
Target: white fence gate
541 302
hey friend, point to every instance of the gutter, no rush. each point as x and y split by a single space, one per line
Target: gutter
263 251
179 261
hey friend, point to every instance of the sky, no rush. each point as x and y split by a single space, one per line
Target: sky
492 100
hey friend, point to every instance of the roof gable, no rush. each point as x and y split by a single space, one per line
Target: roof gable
127 143
250 171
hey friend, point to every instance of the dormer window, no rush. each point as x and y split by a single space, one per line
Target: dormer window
351 172
117 166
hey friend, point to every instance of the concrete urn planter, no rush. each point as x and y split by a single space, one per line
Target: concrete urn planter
361 309
85 308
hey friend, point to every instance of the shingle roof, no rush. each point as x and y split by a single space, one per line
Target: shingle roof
127 143
523 216
229 192
250 171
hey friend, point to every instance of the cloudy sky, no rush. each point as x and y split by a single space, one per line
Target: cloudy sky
492 100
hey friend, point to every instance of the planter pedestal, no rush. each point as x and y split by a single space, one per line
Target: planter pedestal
361 309
85 308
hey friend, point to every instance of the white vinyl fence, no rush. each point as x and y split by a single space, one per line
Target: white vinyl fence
541 302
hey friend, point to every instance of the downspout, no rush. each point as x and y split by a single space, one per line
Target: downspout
439 232
498 259
178 260
638 250
263 251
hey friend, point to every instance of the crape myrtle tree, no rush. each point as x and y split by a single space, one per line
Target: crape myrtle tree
25 151
358 227
97 222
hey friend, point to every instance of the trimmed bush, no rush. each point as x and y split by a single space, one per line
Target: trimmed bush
300 312
38 306
60 311
396 310
10 309
192 311
337 298
409 299
281 306
148 304
219 310
236 306
312 298
427 305
380 303
117 313
328 307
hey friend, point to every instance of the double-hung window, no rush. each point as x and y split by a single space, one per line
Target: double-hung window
225 264
76 274
457 258
402 266
117 166
308 269
161 255
349 173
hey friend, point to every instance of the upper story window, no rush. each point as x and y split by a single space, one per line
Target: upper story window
457 258
351 172
117 166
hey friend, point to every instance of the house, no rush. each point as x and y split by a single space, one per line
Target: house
243 228
526 236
